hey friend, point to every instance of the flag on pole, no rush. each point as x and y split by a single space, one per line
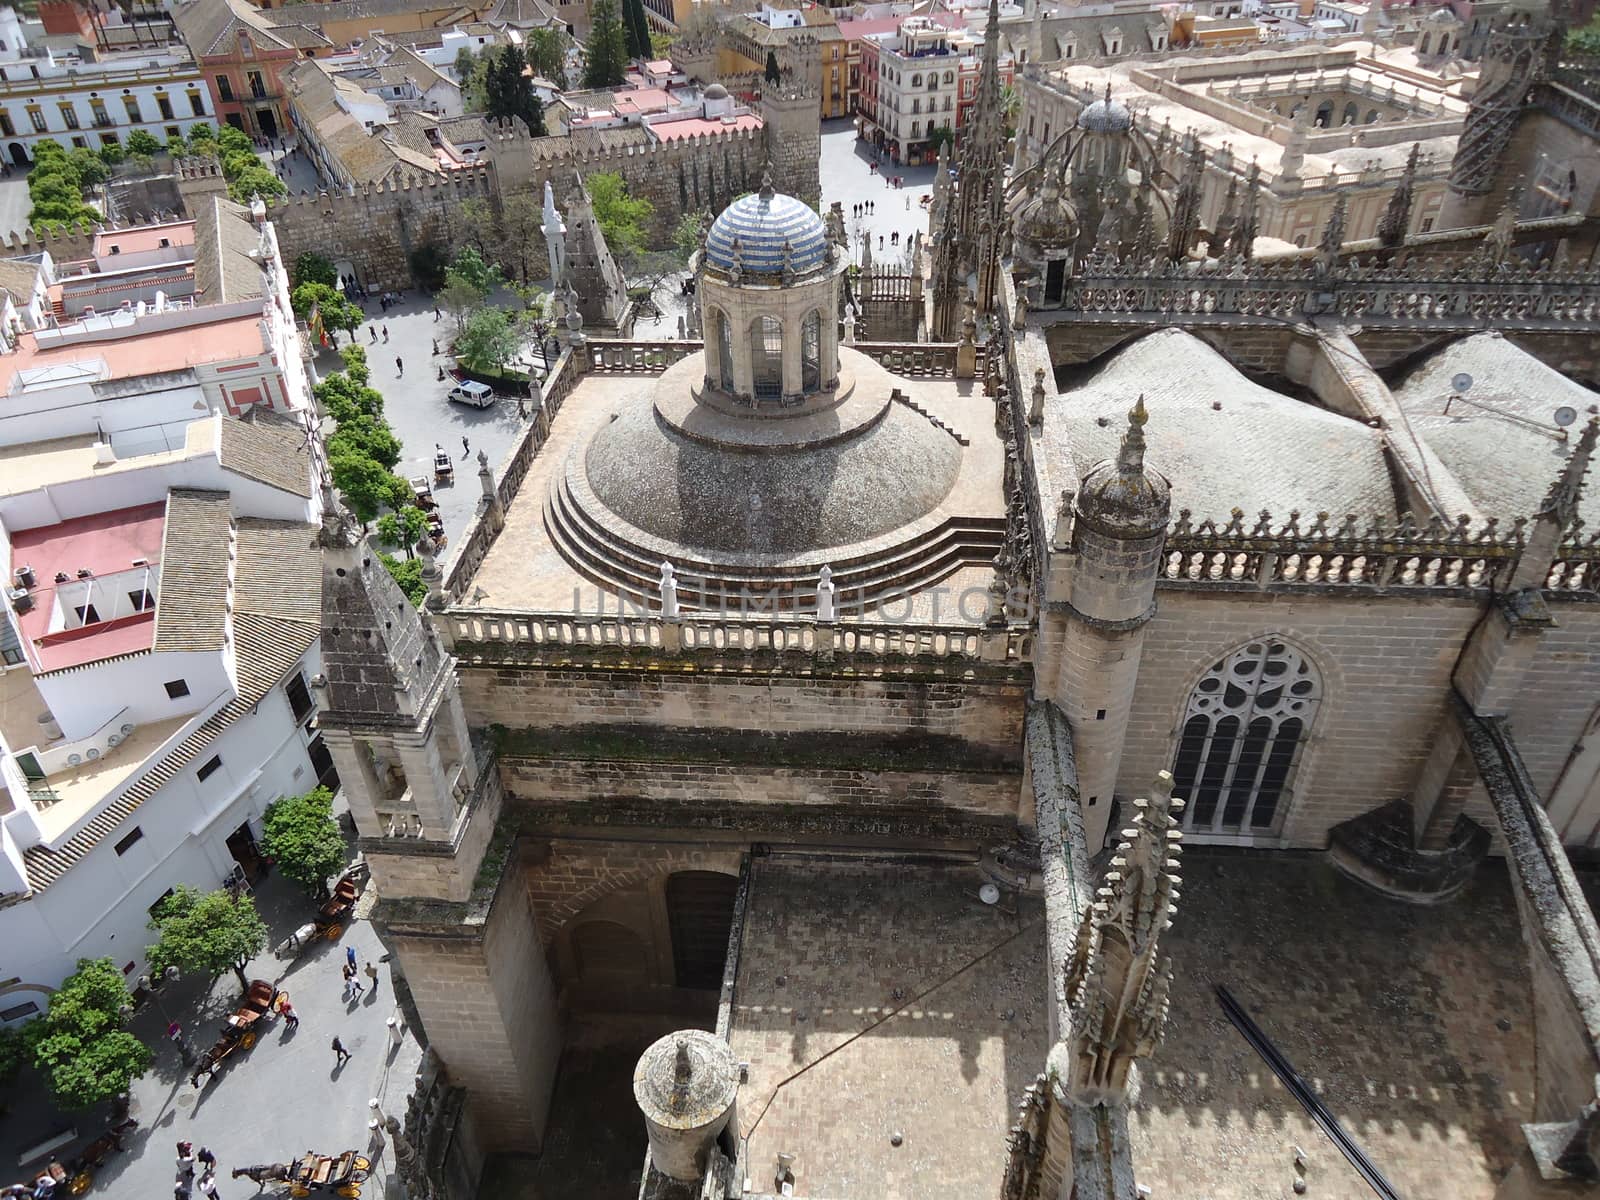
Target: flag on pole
314 323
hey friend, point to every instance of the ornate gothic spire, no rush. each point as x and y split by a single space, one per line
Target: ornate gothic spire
1130 455
1245 236
1185 222
1333 234
1396 219
1561 502
1222 237
979 195
1117 980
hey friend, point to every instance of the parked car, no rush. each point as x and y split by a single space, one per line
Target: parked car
478 395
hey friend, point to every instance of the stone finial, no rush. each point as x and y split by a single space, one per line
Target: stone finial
1036 399
1130 457
827 602
767 190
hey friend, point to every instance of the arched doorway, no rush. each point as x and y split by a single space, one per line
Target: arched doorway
700 916
1243 733
766 357
19 154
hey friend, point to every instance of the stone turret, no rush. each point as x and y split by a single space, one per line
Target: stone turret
686 1085
793 127
1118 528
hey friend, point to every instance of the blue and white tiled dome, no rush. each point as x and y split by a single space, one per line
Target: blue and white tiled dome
762 222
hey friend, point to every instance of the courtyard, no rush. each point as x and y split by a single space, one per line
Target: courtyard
283 1097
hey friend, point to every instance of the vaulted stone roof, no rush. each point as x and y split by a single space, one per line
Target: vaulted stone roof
1222 440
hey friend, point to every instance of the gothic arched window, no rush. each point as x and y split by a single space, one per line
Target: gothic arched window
722 336
1242 736
1324 116
811 352
1349 117
766 357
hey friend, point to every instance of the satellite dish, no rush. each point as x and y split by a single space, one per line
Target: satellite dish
989 894
1566 415
1461 382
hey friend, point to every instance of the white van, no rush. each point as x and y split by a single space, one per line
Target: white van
479 395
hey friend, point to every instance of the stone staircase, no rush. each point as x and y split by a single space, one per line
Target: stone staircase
899 397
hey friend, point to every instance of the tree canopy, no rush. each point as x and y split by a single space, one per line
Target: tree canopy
206 931
336 311
363 449
141 141
57 184
79 1044
489 341
547 54
622 216
508 93
607 47
403 527
311 267
637 27
303 837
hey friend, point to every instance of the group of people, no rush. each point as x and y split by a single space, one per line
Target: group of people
353 987
187 1183
865 209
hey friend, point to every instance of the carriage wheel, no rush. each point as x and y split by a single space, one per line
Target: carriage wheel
363 1165
81 1182
247 1040
350 1189
299 1189
334 931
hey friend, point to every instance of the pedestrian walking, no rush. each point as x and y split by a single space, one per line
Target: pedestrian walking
371 973
206 1159
185 1158
372 334
339 1052
291 1019
398 365
466 446
385 335
356 987
435 314
350 957
436 345
208 1186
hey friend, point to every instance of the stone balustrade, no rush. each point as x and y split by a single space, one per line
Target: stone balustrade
635 358
1467 294
716 635
1374 555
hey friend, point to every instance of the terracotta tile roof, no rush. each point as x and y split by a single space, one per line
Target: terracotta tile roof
272 453
192 609
278 588
224 239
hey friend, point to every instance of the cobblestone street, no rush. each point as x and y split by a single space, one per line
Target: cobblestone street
278 1100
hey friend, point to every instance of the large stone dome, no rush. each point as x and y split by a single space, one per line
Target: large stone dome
690 480
1106 116
762 223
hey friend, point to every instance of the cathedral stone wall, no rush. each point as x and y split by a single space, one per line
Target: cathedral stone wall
1558 692
1385 665
986 715
985 793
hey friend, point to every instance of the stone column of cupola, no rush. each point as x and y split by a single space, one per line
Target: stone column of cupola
744 383
794 326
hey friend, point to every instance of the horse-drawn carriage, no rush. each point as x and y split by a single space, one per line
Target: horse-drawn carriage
330 919
76 1175
422 491
342 1174
240 1031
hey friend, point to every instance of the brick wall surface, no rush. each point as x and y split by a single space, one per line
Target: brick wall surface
987 715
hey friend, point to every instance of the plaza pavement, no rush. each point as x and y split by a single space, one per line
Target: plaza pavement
269 1104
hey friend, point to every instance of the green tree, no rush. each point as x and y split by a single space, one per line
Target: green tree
939 136
637 28
366 485
407 573
206 931
177 147
404 527
255 181
622 216
337 312
229 138
470 267
686 236
546 51
489 341
470 68
772 74
607 47
366 435
302 836
459 298
79 1045
13 1051
142 141
203 132
508 93
311 267
348 395
112 153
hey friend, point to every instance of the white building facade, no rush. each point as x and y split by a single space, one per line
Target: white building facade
79 102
